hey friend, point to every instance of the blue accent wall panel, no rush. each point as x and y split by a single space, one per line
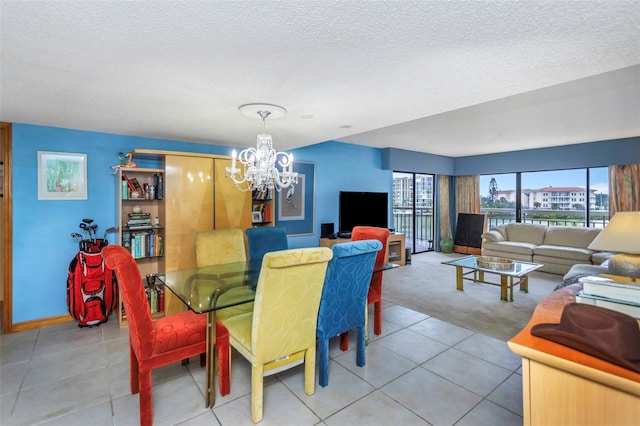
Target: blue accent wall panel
42 243
43 247
341 167
401 160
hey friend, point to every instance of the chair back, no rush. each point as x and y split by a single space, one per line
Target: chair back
374 233
264 239
285 309
344 295
220 246
141 331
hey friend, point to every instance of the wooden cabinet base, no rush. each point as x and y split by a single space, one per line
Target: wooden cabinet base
395 247
563 386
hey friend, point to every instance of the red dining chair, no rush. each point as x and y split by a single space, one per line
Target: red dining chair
152 343
375 288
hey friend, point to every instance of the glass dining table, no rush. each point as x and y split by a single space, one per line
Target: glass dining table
208 289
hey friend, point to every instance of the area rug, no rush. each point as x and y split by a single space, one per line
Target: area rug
428 286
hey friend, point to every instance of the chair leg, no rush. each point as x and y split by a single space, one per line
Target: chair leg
310 370
257 384
360 349
134 372
224 358
323 360
203 360
146 399
377 318
344 341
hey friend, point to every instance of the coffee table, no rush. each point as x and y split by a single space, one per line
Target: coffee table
518 274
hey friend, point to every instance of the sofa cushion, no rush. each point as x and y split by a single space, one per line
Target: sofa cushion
526 232
494 235
570 236
581 254
509 247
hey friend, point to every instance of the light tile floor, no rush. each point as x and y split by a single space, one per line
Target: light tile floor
420 371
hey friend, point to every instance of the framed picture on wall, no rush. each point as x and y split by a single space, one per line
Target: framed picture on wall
62 176
295 204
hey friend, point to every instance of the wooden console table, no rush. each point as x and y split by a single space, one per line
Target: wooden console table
562 386
395 247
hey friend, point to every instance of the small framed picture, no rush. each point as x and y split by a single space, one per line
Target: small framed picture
256 217
62 176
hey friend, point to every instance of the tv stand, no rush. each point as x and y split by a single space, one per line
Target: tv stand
395 247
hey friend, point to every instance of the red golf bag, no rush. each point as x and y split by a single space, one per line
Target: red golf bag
92 290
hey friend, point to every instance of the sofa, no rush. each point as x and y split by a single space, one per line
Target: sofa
558 248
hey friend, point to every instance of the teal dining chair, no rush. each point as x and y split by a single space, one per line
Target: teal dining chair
263 239
344 298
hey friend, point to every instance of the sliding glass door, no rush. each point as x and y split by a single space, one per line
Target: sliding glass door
413 209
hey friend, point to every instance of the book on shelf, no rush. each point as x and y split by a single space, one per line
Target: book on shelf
137 186
261 195
129 183
266 213
139 215
619 288
629 308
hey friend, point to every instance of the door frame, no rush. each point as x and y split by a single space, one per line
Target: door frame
7 237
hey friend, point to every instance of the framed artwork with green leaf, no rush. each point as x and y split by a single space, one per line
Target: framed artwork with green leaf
62 176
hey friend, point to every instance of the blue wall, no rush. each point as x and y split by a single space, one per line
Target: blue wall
593 154
42 246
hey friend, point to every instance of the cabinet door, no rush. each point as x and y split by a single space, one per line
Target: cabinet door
189 207
233 207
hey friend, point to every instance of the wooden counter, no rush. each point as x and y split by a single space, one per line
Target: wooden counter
563 386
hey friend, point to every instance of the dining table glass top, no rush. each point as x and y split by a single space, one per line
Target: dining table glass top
214 287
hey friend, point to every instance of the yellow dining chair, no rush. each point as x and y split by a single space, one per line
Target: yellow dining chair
218 247
281 331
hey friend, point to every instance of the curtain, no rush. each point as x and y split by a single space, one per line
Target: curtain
624 188
443 190
468 194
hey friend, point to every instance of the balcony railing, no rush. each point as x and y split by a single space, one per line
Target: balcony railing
423 232
498 216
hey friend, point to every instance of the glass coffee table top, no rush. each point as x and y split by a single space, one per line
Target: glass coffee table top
516 274
518 269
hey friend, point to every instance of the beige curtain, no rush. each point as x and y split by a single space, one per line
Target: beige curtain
445 224
624 188
468 194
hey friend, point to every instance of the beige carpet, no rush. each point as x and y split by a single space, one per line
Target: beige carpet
428 286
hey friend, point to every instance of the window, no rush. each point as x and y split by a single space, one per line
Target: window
575 197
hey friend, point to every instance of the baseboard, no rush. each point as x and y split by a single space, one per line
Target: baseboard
467 250
42 322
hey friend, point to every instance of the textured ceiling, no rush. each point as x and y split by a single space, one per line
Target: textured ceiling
445 77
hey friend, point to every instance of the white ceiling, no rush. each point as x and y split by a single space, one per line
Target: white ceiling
452 78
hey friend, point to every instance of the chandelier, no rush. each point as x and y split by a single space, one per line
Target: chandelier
258 170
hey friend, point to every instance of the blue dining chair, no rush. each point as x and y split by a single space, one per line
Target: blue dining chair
343 305
264 239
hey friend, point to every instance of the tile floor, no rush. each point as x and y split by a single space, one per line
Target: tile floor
421 371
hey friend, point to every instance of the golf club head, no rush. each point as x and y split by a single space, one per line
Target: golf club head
75 235
88 221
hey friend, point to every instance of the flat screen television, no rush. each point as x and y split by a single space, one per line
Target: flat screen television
364 209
